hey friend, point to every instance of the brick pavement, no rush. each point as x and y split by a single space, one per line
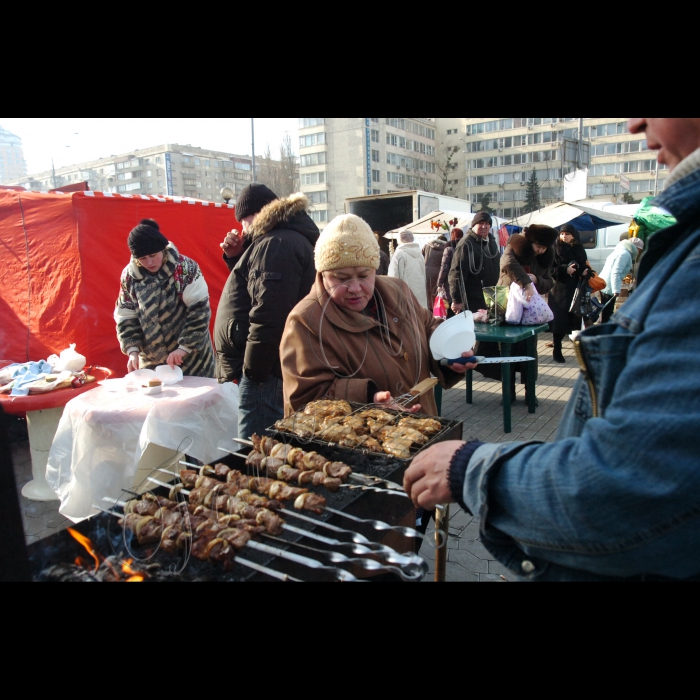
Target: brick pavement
468 560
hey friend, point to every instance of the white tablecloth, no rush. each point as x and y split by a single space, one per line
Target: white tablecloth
104 433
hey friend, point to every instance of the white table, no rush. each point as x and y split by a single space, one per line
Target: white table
110 439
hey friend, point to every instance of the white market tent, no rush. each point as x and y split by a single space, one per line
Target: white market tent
423 232
584 218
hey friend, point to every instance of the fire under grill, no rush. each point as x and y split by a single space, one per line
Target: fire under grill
306 550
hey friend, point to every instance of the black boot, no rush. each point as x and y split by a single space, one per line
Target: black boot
557 354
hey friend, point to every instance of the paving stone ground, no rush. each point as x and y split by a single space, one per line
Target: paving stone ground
467 560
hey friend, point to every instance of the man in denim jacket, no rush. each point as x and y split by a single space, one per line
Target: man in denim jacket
617 495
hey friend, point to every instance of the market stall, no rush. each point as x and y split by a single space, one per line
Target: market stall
63 255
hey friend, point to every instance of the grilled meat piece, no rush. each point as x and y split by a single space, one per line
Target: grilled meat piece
273 524
328 408
403 434
282 492
427 426
311 502
337 470
398 447
221 470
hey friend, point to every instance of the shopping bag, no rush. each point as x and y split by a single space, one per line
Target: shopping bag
537 312
496 299
595 281
515 308
439 308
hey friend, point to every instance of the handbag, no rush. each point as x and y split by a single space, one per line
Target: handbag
595 281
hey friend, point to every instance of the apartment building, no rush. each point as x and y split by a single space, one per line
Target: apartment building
171 169
494 159
12 163
352 157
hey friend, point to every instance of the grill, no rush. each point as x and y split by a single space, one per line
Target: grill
449 430
54 559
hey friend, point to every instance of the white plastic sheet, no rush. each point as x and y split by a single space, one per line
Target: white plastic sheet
104 433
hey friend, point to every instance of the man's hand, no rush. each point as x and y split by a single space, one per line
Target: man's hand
385 399
133 364
233 244
176 358
426 480
457 308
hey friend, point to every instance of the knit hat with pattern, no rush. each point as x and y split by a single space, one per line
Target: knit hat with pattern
253 199
146 239
347 241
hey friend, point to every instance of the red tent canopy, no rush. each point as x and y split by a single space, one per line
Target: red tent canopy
62 256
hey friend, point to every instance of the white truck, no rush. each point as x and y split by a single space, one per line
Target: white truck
386 212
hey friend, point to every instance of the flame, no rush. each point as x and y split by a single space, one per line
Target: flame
89 546
134 576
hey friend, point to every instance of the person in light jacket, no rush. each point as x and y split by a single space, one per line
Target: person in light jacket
615 496
616 268
408 265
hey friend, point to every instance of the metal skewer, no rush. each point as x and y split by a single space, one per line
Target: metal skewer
358 539
363 479
240 560
366 564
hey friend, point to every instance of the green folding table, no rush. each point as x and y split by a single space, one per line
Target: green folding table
506 337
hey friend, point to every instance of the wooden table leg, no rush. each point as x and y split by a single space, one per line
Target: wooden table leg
531 370
470 380
507 398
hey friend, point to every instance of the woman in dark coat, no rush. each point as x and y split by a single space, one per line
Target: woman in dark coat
569 267
527 261
447 256
432 254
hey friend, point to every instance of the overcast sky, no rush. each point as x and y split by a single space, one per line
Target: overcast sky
70 141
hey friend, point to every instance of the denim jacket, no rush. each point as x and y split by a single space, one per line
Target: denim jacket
617 495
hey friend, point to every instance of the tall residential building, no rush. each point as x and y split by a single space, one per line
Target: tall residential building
179 171
352 157
12 163
494 158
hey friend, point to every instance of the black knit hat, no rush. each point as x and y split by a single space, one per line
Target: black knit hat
568 228
542 235
253 199
482 217
146 239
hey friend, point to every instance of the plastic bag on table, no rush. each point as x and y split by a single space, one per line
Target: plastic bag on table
69 360
537 312
516 305
496 299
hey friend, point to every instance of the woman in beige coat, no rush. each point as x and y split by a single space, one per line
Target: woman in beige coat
357 336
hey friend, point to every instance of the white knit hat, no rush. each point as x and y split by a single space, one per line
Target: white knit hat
347 241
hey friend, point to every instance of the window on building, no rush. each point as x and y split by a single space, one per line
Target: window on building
375 156
313 159
375 135
318 197
306 122
314 178
376 176
312 140
319 216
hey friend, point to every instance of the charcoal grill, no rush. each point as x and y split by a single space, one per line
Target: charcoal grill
52 558
451 430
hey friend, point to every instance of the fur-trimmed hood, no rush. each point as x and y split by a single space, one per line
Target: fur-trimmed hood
523 250
282 211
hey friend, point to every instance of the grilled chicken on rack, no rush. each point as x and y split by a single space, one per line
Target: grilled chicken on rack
427 426
328 408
